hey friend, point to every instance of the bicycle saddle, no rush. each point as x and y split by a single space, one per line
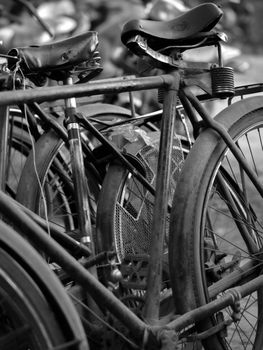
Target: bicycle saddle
182 30
57 58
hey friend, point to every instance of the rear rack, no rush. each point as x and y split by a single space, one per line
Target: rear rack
240 91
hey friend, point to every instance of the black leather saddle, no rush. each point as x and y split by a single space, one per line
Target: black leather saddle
57 58
184 31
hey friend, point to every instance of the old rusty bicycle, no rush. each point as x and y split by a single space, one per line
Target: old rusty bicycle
223 277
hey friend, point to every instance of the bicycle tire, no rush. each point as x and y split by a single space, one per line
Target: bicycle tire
205 244
124 226
35 310
47 148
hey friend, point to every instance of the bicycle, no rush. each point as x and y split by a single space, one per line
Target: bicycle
198 262
152 332
16 123
126 226
36 63
19 122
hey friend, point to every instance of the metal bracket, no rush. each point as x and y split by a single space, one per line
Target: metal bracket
144 48
236 295
168 339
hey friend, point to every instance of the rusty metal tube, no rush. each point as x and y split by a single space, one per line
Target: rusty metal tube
214 306
159 222
104 86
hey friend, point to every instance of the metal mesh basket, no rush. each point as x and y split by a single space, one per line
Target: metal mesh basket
134 211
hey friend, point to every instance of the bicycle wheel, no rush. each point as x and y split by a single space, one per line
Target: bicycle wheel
53 168
52 162
125 225
216 227
35 311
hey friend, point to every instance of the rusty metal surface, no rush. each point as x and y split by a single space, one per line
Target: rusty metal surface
95 88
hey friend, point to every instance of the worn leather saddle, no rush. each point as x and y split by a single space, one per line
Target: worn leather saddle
57 58
188 30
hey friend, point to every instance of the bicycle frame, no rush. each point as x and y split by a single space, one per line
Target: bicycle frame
148 332
144 334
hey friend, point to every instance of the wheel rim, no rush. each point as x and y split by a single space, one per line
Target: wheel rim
21 323
225 250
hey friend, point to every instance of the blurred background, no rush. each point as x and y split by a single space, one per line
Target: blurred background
18 26
33 22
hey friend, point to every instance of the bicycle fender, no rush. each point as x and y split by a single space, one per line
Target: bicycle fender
227 118
99 109
232 113
209 143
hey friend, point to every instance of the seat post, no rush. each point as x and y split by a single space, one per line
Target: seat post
70 102
78 170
